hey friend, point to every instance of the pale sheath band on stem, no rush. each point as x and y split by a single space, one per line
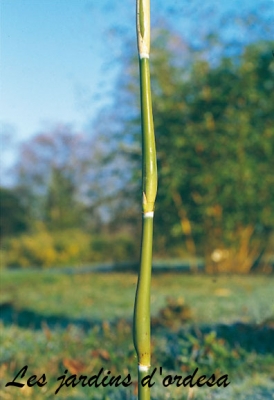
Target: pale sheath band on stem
143 55
149 214
143 368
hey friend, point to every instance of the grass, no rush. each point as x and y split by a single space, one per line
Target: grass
52 322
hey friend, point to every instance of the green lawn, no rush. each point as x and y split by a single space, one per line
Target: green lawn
53 322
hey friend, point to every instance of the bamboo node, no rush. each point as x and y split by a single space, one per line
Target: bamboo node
143 368
143 55
149 214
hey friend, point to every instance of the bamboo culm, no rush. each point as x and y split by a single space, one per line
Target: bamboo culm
141 321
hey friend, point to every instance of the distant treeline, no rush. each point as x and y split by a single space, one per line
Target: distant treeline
75 197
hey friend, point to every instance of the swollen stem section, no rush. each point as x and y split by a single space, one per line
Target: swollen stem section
148 140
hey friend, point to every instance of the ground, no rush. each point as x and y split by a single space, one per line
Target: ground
81 323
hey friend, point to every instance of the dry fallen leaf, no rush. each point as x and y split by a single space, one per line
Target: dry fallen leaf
101 353
74 366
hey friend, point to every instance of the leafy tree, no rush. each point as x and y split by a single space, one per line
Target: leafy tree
50 176
214 166
14 218
66 179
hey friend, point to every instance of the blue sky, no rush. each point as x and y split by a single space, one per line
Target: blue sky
52 57
59 58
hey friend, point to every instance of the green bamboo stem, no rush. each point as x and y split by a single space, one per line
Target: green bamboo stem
141 321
